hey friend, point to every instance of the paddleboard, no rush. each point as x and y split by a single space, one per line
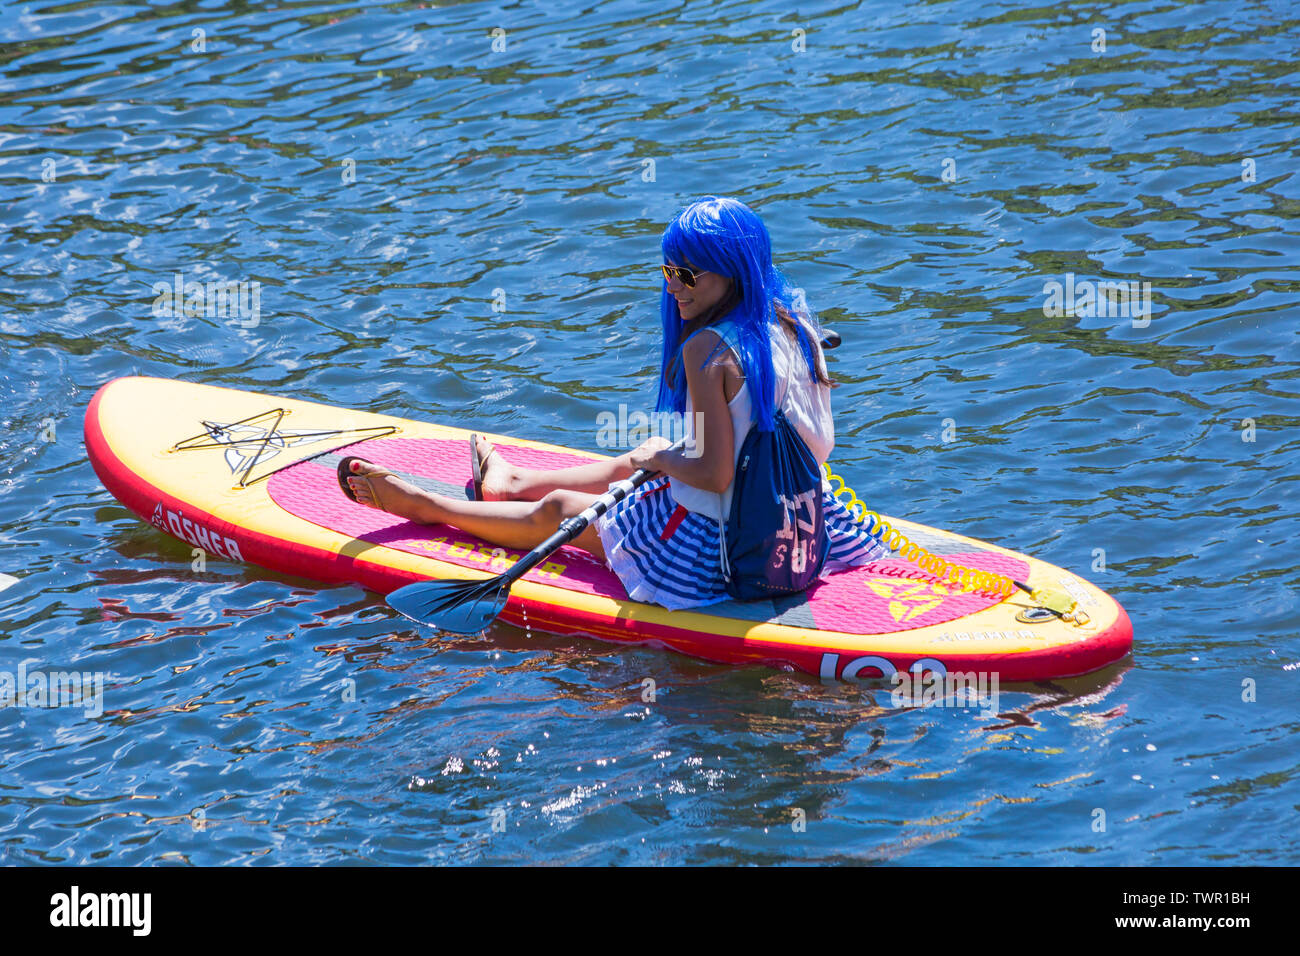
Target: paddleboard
250 478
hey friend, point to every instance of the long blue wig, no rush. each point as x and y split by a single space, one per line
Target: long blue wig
723 235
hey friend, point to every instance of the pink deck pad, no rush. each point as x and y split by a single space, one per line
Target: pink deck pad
879 598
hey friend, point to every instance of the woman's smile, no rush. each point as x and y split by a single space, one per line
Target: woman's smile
708 291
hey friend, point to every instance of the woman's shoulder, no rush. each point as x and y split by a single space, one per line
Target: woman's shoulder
703 342
724 330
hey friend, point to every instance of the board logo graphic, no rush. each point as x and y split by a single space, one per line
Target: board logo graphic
248 445
871 667
252 441
909 599
201 536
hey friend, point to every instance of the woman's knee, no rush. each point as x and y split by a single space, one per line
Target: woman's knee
554 506
563 503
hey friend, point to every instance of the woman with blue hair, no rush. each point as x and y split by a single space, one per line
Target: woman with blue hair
739 343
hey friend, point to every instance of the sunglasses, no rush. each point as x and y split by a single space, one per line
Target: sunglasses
685 276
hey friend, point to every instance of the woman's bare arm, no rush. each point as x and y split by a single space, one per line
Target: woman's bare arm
712 463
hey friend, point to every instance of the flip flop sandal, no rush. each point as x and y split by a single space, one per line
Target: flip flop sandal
476 466
345 472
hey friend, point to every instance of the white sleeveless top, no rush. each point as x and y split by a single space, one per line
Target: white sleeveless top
807 404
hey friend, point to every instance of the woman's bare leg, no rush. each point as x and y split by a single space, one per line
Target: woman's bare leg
503 481
512 524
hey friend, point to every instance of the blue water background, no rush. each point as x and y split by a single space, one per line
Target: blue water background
1166 452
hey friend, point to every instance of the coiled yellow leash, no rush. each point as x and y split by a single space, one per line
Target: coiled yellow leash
968 579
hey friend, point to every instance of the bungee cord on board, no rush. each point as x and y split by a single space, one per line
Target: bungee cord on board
974 580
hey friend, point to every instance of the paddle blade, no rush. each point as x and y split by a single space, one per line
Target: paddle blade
461 607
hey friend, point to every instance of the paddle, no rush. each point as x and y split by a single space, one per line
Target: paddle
467 607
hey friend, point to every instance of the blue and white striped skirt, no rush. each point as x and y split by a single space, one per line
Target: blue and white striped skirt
667 555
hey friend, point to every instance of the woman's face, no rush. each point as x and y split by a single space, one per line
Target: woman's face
707 292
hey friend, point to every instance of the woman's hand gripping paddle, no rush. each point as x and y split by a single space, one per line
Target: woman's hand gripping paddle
468 607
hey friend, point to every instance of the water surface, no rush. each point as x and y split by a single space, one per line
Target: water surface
925 170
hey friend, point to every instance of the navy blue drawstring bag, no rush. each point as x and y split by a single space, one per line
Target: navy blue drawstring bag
775 539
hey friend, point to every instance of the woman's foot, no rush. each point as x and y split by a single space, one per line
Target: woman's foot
498 474
379 488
